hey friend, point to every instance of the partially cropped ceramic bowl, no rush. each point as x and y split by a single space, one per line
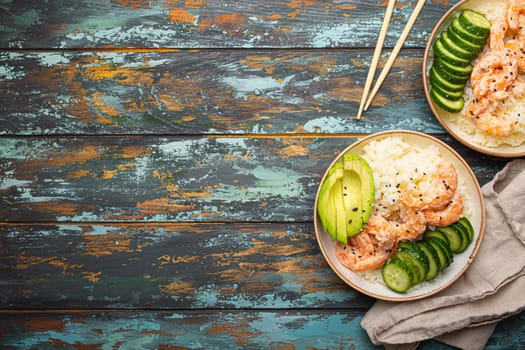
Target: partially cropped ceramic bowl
457 124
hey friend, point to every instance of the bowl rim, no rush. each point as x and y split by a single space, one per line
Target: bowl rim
317 227
478 148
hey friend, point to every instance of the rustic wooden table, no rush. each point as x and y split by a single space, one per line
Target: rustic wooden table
159 162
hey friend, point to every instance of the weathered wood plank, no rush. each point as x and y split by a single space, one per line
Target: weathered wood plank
188 266
172 178
206 92
319 329
198 24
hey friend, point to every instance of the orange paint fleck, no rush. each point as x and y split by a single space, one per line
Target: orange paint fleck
161 206
195 3
77 174
293 150
187 118
64 265
93 277
229 22
109 174
100 245
177 288
178 15
134 4
274 16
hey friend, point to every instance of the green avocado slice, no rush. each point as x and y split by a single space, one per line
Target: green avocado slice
361 192
326 205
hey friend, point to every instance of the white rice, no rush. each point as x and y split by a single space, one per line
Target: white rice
510 110
397 164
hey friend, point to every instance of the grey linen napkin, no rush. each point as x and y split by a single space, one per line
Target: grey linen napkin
465 314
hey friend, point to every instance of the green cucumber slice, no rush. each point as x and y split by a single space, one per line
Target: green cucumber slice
457 28
446 104
418 274
434 265
436 79
465 44
475 22
437 234
454 48
421 259
462 72
448 74
443 250
455 238
397 275
450 95
441 51
468 226
464 236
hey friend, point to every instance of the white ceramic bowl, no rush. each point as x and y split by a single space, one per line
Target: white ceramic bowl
461 261
445 118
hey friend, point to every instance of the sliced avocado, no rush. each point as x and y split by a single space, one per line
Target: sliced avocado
352 199
346 197
325 205
341 220
361 192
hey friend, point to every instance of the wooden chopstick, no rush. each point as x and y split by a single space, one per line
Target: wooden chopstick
375 57
395 51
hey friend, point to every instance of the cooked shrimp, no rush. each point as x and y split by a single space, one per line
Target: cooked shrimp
370 248
412 224
516 48
514 8
518 88
448 214
493 71
482 112
434 193
498 30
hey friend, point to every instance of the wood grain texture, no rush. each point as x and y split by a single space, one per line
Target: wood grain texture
168 266
271 179
204 24
306 329
206 92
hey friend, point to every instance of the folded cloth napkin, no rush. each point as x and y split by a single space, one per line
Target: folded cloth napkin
465 314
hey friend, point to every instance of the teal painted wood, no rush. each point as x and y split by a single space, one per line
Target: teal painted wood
177 179
206 92
309 329
168 266
204 24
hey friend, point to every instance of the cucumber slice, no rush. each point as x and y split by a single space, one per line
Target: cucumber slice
462 72
421 259
441 51
450 95
458 29
448 74
455 238
443 251
468 226
418 273
475 22
465 44
464 236
397 275
436 79
446 104
454 48
434 265
437 234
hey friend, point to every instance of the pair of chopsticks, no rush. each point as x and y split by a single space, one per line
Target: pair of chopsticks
391 59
